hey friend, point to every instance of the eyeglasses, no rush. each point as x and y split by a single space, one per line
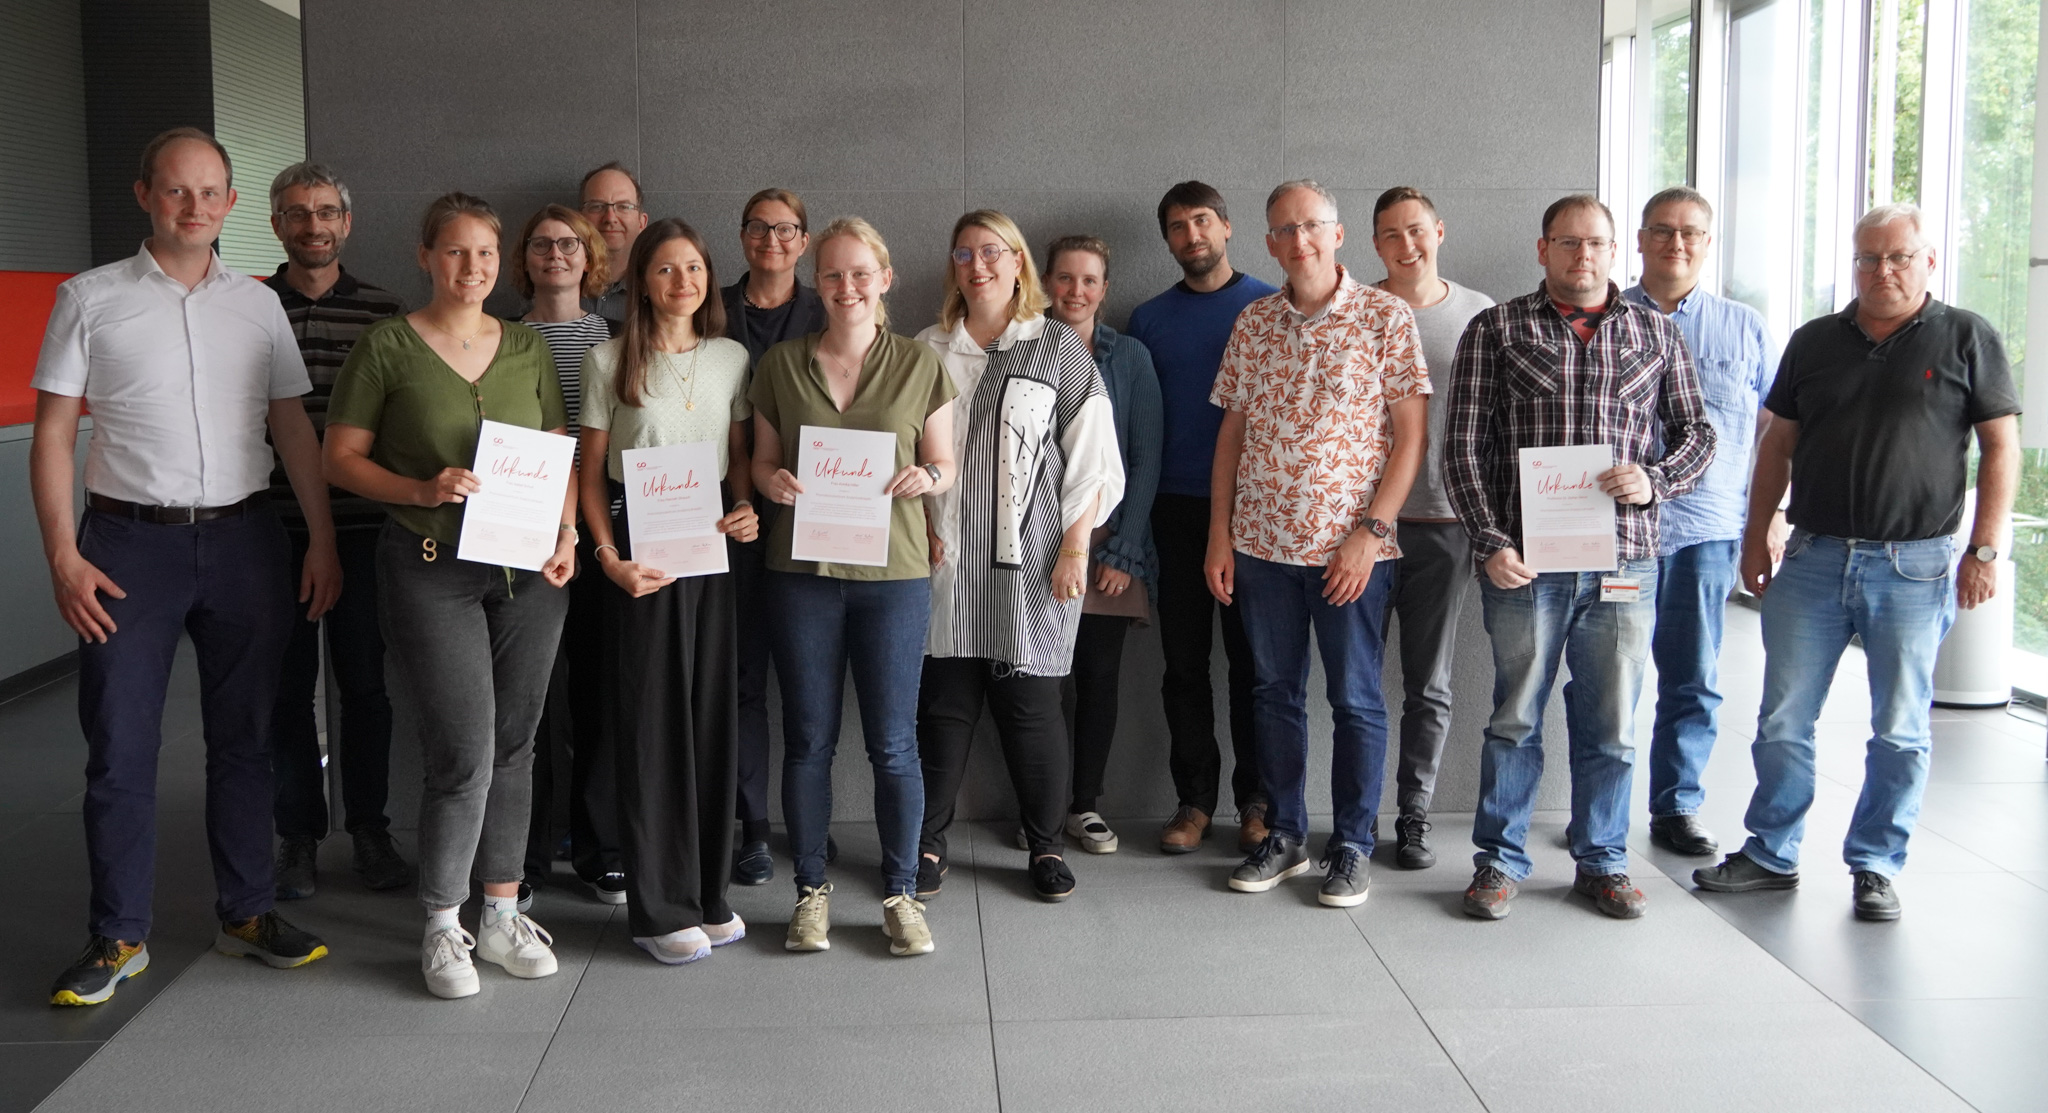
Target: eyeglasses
598 208
989 252
569 246
326 214
1662 233
1571 245
860 279
1897 260
759 229
1310 228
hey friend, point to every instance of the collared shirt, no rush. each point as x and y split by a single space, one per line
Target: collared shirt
1524 379
1035 442
326 329
611 305
179 381
1315 394
1884 427
1734 356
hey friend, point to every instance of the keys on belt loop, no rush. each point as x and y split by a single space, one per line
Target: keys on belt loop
427 550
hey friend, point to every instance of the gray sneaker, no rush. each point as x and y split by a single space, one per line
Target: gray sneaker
1613 894
1739 873
1349 878
1276 860
295 868
1875 897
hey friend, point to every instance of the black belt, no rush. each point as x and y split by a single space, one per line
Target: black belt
175 515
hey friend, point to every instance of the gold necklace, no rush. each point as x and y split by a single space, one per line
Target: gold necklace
689 400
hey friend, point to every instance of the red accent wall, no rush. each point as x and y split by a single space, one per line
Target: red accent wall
25 301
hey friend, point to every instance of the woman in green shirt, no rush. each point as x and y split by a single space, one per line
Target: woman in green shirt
854 375
671 379
472 643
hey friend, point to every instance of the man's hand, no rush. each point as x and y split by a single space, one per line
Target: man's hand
1775 536
1628 483
1350 567
78 583
1761 556
320 580
1219 570
1976 581
1506 570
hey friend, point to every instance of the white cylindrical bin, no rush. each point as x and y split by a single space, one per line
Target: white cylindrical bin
1973 667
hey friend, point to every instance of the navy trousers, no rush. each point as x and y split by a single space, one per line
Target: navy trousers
227 583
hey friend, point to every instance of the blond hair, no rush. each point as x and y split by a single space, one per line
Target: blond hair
861 230
1029 301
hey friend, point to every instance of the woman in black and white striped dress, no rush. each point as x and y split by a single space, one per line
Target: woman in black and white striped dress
1040 469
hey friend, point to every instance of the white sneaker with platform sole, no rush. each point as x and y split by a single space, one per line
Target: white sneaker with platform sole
519 945
446 964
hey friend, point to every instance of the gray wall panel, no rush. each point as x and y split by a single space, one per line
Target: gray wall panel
43 215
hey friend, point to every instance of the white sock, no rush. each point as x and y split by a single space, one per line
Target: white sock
441 919
496 908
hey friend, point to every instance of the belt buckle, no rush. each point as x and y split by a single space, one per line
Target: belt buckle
191 516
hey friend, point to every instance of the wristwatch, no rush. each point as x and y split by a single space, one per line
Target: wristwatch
1379 529
1985 554
933 471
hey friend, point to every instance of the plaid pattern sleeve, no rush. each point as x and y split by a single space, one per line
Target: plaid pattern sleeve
1523 379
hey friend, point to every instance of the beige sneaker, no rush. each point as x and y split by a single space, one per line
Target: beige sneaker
812 919
903 922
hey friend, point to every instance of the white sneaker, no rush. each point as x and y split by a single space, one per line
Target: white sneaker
731 931
677 947
519 945
444 960
1094 835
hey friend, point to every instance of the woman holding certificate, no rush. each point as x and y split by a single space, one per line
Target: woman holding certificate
664 407
471 643
852 426
1039 471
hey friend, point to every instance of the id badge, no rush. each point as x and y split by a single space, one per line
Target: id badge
1620 589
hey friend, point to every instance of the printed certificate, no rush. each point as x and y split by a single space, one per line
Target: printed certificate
842 516
1567 520
517 515
673 507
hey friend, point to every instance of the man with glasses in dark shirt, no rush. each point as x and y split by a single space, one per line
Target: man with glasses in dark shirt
610 197
1872 413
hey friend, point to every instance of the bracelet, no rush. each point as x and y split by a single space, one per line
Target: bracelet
613 548
566 527
1082 553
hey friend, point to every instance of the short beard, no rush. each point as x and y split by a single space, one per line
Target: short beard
1200 268
313 262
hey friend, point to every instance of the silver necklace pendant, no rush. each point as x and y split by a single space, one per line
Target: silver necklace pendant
465 345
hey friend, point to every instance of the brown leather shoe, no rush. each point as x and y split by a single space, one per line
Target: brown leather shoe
1183 833
1251 827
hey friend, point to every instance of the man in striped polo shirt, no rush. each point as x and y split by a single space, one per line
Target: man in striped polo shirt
328 309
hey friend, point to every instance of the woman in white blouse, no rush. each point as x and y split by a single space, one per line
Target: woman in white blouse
1039 470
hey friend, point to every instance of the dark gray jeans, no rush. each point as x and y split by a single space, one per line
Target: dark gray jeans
1435 581
470 649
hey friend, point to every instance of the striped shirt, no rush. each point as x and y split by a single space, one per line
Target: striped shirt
568 340
1035 445
326 330
1524 379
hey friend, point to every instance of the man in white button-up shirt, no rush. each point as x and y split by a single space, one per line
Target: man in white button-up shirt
185 364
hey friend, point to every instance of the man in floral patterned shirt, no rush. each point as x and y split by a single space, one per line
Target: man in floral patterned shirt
1324 425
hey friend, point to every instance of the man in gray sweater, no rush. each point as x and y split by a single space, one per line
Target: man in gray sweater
1436 560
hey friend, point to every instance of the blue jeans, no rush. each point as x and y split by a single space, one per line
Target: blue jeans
1281 602
1692 596
1901 597
1606 645
818 626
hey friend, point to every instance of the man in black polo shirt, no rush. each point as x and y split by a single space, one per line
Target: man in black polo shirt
1873 409
328 308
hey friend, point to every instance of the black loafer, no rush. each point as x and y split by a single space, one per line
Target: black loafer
753 865
1682 834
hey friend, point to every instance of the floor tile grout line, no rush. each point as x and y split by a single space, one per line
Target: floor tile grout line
527 1090
988 995
1427 1026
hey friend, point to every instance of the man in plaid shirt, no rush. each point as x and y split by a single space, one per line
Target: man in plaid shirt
1571 364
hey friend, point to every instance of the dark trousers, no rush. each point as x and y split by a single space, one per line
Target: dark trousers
362 744
749 582
1034 738
678 711
1180 529
1090 697
572 755
226 583
1434 583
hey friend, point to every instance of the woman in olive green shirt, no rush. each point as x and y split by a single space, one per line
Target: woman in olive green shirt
472 643
854 375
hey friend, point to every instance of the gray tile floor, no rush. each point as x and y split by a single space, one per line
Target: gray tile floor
1154 988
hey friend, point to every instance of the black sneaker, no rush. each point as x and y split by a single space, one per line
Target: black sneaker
1683 834
1050 877
1491 893
1875 897
610 889
377 861
930 876
1612 893
525 897
105 964
1349 878
270 938
1411 847
295 868
1739 873
753 865
1276 860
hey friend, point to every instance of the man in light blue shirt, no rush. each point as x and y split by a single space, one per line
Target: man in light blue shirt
1700 536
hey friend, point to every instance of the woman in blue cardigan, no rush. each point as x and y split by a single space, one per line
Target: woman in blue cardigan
1123 570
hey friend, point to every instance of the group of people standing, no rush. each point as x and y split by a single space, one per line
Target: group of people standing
1272 456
